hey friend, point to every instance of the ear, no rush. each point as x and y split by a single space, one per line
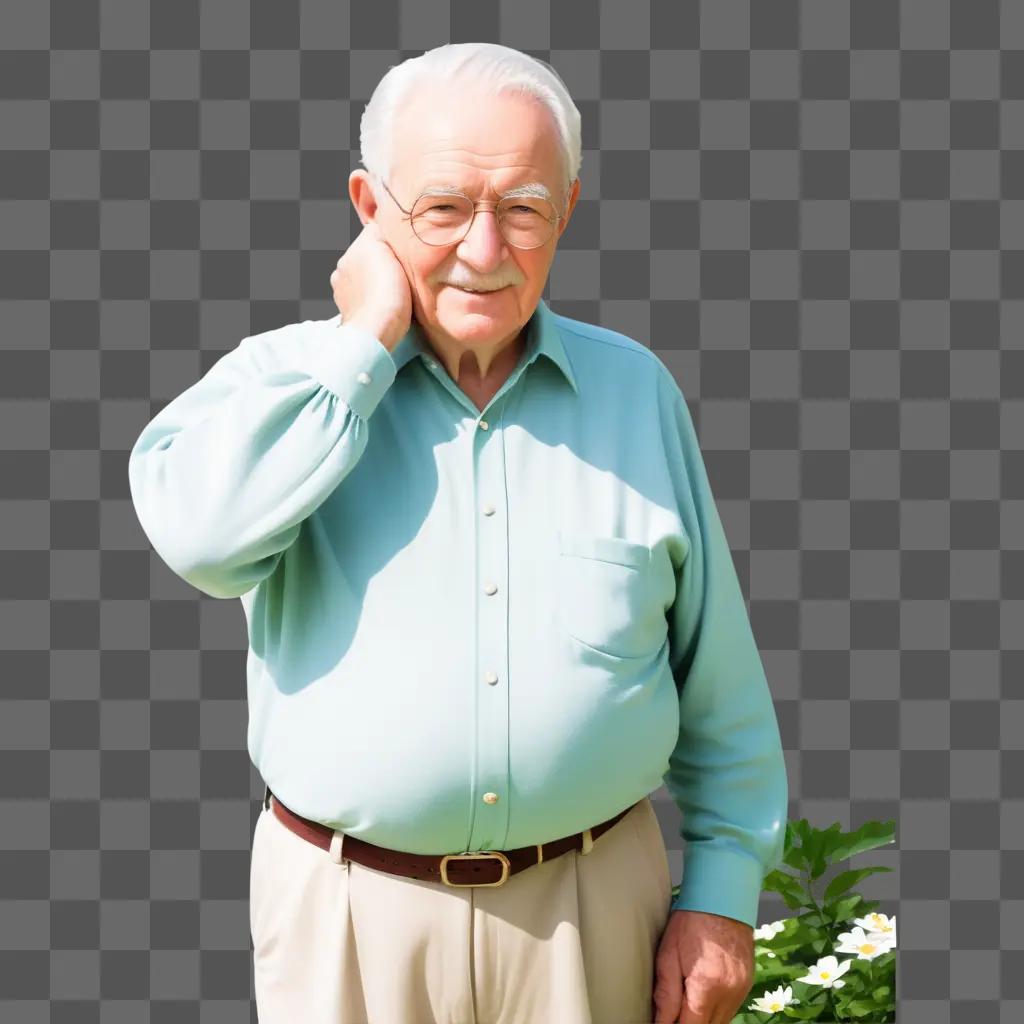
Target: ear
574 194
360 191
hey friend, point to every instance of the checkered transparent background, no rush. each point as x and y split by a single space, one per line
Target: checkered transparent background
814 213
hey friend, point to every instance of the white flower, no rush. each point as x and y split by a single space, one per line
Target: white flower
867 947
768 931
773 1002
878 924
826 972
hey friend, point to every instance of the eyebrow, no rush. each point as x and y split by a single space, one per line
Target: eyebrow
531 188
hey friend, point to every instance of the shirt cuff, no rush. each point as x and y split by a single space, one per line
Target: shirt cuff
353 363
720 881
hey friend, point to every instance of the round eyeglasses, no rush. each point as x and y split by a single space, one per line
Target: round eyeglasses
444 218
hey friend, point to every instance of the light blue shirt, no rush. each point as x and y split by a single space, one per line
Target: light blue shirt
475 630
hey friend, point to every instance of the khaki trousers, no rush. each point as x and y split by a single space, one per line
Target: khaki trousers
571 940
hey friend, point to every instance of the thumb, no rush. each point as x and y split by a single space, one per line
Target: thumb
668 990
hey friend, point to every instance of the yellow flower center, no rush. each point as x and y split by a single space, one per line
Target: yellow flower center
867 947
824 974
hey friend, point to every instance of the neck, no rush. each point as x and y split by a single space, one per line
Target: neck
478 364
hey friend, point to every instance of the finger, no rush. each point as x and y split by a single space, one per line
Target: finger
695 1009
731 1014
668 992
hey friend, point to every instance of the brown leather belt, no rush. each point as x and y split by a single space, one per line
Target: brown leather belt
486 867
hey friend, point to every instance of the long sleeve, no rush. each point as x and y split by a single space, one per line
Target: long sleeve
727 772
224 475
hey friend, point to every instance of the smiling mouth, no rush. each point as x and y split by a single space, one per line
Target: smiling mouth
478 291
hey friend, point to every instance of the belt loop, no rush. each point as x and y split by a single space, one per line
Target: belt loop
266 797
337 842
588 842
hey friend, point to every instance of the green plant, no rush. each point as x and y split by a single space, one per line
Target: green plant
798 975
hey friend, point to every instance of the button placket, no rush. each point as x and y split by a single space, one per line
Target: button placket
492 637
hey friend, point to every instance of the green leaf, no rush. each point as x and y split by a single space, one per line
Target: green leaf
792 853
798 1012
769 974
787 886
814 847
846 879
844 909
800 829
870 835
851 907
825 842
862 1007
795 857
815 926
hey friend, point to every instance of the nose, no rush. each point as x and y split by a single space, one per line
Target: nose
483 247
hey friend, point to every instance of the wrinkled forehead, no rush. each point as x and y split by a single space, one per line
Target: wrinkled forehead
484 146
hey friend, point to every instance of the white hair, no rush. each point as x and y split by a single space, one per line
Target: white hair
490 69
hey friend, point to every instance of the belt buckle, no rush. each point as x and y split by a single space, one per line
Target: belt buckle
481 855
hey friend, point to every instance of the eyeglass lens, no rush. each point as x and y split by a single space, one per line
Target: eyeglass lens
524 221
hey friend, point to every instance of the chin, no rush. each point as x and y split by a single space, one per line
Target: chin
474 327
468 318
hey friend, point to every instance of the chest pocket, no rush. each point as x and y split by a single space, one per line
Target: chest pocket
607 598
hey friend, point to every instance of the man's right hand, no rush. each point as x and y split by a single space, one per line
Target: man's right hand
371 287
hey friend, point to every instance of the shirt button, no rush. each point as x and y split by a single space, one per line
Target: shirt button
490 798
490 588
491 677
363 378
483 424
488 510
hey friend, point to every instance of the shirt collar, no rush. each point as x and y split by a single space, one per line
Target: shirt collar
543 338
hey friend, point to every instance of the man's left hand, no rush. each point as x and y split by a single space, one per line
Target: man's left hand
704 968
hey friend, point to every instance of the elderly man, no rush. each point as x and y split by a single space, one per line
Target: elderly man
490 602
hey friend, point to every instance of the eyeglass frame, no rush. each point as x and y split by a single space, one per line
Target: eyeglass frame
476 205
